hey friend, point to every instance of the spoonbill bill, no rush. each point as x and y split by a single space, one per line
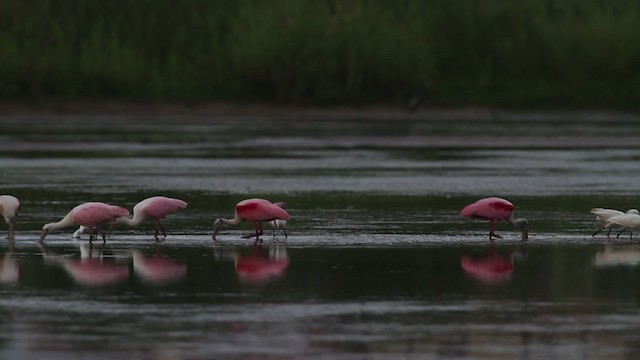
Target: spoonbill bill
155 209
495 209
629 222
603 215
9 207
90 215
255 211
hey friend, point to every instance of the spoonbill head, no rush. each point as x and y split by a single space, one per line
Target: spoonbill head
9 208
255 211
495 209
90 215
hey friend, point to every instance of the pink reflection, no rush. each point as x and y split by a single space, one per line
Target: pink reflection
95 272
92 270
157 269
492 269
257 267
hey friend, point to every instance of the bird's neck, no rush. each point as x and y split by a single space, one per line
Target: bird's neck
235 221
134 221
66 221
519 223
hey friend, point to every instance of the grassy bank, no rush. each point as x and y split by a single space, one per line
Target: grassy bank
529 53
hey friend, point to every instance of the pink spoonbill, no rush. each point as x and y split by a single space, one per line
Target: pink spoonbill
495 209
603 216
629 222
90 215
155 209
255 211
9 207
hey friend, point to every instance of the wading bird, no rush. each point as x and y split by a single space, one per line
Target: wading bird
279 225
155 209
9 207
90 215
603 215
255 211
495 209
629 222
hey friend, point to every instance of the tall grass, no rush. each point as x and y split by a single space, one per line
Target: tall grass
532 53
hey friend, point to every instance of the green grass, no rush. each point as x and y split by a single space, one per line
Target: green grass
528 53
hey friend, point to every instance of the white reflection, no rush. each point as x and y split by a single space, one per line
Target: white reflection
626 255
9 270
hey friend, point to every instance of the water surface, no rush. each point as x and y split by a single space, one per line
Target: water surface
378 264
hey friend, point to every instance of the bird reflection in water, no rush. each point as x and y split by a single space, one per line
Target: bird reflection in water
493 269
621 255
157 269
258 266
91 269
9 270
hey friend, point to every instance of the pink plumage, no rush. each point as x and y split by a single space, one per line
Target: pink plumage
158 207
256 210
492 208
495 209
92 214
155 209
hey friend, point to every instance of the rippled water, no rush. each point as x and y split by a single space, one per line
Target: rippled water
378 264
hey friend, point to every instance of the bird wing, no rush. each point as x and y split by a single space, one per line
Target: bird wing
158 207
260 210
629 221
489 208
92 214
603 214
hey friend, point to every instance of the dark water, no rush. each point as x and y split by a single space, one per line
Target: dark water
378 264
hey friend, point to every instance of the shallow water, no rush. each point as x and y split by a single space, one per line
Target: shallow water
377 265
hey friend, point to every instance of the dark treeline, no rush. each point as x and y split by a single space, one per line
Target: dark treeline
525 53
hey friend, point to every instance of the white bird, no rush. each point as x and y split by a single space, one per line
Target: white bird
629 222
279 224
9 207
77 233
603 216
